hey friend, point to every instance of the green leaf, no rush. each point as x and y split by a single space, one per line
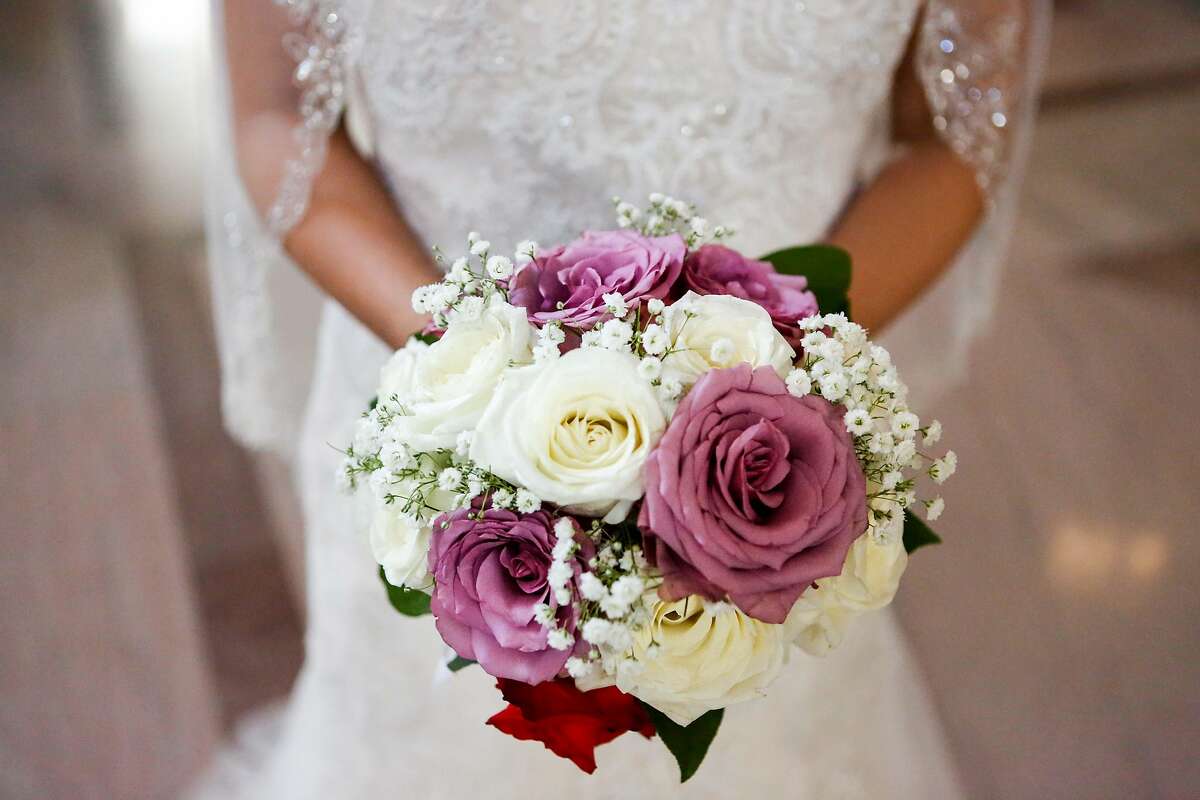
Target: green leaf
917 534
427 338
408 602
688 744
827 269
457 663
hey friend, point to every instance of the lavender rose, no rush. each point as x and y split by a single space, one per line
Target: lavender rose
489 575
752 493
714 269
568 283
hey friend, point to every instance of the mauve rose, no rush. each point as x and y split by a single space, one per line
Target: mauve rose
752 493
714 269
567 284
489 574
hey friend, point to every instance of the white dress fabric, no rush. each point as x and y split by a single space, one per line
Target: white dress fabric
521 120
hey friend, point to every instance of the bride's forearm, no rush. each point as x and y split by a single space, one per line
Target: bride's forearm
905 228
357 247
901 232
352 240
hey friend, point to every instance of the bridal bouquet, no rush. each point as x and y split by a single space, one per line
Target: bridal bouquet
626 475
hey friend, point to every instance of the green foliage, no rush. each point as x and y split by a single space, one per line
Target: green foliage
408 602
688 744
458 662
827 269
917 534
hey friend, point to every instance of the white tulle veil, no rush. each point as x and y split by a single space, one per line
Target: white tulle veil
979 61
266 312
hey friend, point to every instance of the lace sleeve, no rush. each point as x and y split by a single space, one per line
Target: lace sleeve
979 62
279 90
319 46
972 59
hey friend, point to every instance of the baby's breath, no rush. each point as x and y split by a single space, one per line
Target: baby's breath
666 215
841 365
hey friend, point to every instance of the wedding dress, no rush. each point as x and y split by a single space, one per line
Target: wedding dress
521 120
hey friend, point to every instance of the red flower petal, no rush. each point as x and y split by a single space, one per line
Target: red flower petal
569 722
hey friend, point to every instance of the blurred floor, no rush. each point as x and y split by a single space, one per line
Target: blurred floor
1059 624
144 600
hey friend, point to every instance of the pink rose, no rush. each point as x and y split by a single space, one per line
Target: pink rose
714 269
568 283
489 576
752 493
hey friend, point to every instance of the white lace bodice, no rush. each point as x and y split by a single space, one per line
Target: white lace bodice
522 119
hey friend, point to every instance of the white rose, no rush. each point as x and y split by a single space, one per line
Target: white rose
400 547
397 376
709 655
455 377
742 331
575 431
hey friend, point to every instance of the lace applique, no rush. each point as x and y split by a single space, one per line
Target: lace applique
320 47
969 62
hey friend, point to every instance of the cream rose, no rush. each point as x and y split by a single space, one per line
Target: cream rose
708 655
575 431
870 576
454 378
817 622
871 573
401 547
400 543
397 377
718 331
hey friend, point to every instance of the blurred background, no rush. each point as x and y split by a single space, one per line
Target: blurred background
150 571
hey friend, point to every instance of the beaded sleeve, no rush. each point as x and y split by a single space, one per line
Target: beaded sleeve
979 62
319 46
971 59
